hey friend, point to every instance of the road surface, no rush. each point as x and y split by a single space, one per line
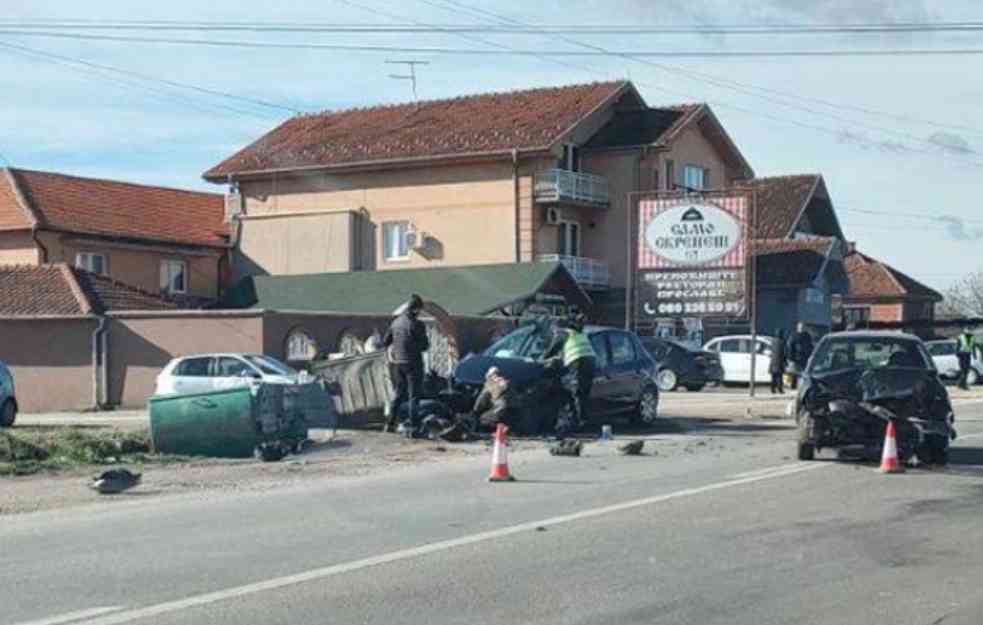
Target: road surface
720 527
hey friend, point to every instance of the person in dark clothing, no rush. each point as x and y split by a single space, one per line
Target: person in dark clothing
579 361
777 365
799 350
406 340
965 346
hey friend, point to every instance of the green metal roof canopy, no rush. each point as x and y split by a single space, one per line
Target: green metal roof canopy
470 290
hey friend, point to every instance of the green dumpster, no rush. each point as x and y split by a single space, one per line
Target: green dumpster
227 423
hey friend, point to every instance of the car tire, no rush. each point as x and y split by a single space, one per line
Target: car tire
8 414
695 388
667 380
647 412
972 378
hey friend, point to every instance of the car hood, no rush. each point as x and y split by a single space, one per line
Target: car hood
880 383
472 370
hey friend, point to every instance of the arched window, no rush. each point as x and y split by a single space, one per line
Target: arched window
350 343
301 346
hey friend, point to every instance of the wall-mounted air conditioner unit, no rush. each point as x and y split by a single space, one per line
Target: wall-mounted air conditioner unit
415 239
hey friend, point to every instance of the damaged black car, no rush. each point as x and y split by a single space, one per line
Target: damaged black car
858 381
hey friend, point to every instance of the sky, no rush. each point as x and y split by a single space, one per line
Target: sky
897 138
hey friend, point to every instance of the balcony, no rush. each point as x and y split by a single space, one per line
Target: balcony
591 274
560 185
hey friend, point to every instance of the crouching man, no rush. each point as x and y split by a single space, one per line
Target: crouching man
496 402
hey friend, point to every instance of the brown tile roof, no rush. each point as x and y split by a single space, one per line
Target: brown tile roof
58 289
486 123
121 209
871 279
820 245
780 200
12 213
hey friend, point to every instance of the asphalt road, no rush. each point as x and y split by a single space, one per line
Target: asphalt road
719 527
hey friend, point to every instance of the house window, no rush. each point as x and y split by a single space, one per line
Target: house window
571 158
670 175
569 238
394 240
173 277
856 315
694 177
301 346
655 179
93 263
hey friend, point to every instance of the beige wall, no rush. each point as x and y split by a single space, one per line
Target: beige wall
140 346
691 148
296 244
18 248
467 210
608 239
51 361
136 267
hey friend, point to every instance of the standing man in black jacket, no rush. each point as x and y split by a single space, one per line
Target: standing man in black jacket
406 341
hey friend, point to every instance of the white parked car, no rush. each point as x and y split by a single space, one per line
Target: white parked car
202 373
944 356
735 357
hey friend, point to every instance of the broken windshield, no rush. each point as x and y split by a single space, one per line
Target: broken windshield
527 343
837 354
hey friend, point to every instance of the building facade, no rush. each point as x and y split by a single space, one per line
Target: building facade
155 239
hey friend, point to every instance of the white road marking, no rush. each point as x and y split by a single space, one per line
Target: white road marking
766 471
74 616
416 552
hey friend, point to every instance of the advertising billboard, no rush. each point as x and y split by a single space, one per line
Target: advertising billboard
692 256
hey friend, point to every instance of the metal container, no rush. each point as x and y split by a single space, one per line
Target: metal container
231 423
359 385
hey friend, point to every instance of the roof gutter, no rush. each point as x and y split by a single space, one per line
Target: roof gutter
387 163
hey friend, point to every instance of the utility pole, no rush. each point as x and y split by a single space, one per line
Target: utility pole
410 76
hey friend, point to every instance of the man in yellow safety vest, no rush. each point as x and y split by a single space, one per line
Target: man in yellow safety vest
579 360
964 351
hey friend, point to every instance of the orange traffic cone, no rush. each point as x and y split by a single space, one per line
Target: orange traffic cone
500 461
889 459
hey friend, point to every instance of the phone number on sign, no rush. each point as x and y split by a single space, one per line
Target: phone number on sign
698 307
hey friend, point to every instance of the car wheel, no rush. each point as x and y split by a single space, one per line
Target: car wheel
695 388
8 414
667 380
648 407
972 378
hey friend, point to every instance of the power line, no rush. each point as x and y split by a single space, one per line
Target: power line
580 29
172 83
462 7
900 52
210 107
939 219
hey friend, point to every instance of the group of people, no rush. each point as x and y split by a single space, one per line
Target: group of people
789 357
406 342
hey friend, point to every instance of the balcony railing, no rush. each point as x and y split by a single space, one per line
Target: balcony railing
589 273
560 185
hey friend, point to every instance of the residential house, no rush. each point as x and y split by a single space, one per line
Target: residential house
154 239
526 176
881 293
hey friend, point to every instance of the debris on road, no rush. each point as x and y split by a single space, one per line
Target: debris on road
114 481
632 448
567 447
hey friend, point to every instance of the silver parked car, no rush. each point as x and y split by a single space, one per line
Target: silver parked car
8 399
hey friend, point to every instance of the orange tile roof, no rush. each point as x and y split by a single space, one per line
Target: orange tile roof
120 209
486 123
871 279
61 290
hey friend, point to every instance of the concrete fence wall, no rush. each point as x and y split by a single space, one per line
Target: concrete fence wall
51 361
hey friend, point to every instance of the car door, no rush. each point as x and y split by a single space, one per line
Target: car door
600 393
626 372
762 362
232 372
191 375
733 361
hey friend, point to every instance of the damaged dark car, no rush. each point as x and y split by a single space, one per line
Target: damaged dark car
858 381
